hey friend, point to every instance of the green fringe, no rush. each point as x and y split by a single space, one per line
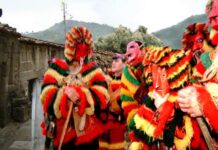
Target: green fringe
177 59
58 69
101 83
98 104
205 58
50 109
89 70
178 75
140 134
129 77
47 84
148 102
126 98
169 132
164 55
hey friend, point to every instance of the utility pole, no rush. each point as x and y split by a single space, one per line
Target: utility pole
64 15
0 12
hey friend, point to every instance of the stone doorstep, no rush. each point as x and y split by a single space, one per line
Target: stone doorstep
22 145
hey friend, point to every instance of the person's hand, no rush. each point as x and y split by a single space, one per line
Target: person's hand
188 101
71 93
158 99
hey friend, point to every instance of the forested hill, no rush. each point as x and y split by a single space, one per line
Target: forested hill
172 36
56 32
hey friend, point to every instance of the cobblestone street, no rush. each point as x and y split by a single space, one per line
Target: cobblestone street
16 136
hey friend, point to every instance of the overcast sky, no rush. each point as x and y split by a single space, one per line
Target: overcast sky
38 15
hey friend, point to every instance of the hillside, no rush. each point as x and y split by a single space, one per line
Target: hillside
172 36
56 32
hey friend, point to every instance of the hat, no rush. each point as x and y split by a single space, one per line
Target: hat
192 30
78 43
118 56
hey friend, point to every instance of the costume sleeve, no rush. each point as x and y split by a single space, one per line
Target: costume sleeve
208 101
129 86
51 90
149 124
93 91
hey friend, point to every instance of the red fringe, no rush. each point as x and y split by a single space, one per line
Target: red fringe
114 87
200 68
93 129
132 137
64 105
113 124
124 86
197 134
101 98
48 99
83 101
128 108
146 113
214 40
174 69
97 77
42 125
49 79
88 66
165 113
62 64
208 107
70 134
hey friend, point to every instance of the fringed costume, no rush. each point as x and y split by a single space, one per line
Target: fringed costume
115 127
150 126
114 136
85 123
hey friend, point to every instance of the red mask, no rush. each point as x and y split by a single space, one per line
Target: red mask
159 79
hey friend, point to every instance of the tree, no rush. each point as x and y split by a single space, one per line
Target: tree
118 40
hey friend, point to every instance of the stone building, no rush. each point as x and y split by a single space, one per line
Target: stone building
22 61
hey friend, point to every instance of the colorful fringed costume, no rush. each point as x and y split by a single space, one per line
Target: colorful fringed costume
114 136
115 128
206 72
207 94
167 123
148 124
91 86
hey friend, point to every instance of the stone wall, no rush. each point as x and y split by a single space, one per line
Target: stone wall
22 61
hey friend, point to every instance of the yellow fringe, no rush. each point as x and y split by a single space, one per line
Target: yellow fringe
56 75
103 90
180 68
45 91
90 75
172 98
206 47
131 115
126 92
67 52
115 82
177 84
132 88
212 89
136 146
57 112
127 103
175 57
91 109
120 145
144 125
182 144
